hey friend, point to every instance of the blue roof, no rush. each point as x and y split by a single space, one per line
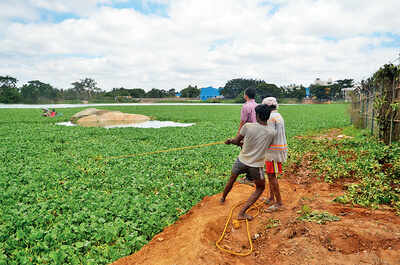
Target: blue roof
208 92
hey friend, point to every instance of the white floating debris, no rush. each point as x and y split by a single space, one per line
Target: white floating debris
152 124
147 124
67 123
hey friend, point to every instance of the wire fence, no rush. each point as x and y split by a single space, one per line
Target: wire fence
382 120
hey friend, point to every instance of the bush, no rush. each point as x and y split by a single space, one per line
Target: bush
214 100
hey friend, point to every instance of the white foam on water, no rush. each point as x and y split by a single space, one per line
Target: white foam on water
67 123
147 124
151 124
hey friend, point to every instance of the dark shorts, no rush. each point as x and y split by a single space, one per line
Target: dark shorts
252 173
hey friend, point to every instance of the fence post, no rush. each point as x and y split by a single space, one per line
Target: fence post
391 112
366 112
361 111
373 113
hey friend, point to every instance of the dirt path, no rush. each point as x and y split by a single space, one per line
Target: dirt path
362 236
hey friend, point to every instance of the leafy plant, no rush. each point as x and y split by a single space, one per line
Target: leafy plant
307 214
273 223
371 167
59 205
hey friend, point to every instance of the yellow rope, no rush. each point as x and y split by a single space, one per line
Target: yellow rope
159 151
236 222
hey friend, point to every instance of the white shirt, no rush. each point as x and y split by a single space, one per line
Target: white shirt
278 149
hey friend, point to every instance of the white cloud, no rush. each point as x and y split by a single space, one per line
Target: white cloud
16 9
200 42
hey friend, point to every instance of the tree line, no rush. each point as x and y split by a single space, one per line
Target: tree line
36 91
235 88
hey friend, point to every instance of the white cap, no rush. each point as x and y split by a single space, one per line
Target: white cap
270 101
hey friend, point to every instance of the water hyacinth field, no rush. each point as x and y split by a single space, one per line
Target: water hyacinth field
64 202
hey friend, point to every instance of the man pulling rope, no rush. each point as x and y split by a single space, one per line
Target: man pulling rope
256 137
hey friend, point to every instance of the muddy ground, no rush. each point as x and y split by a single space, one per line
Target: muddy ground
361 236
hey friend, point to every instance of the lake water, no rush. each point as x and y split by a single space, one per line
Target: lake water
63 106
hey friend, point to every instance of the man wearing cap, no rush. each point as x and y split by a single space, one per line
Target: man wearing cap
276 154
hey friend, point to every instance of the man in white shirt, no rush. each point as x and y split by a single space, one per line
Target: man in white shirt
276 154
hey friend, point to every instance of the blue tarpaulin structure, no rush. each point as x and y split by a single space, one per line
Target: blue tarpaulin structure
307 92
208 92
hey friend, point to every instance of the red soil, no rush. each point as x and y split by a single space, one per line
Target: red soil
362 236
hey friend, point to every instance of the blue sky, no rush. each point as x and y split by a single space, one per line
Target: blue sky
147 8
393 40
55 17
174 43
48 15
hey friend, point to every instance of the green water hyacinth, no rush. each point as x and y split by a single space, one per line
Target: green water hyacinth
59 205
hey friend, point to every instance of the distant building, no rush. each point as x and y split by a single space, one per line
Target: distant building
320 82
178 94
209 92
308 94
347 93
291 87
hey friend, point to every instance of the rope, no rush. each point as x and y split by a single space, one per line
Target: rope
159 151
236 224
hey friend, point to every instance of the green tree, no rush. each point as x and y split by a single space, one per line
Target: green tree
134 93
345 82
332 92
171 92
190 92
9 92
294 91
339 85
36 90
234 87
320 92
240 98
85 87
120 92
264 90
156 93
137 93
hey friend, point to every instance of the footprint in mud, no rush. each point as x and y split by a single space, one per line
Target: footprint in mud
213 230
346 242
234 239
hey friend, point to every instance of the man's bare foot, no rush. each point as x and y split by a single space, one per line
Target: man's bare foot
245 216
222 200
